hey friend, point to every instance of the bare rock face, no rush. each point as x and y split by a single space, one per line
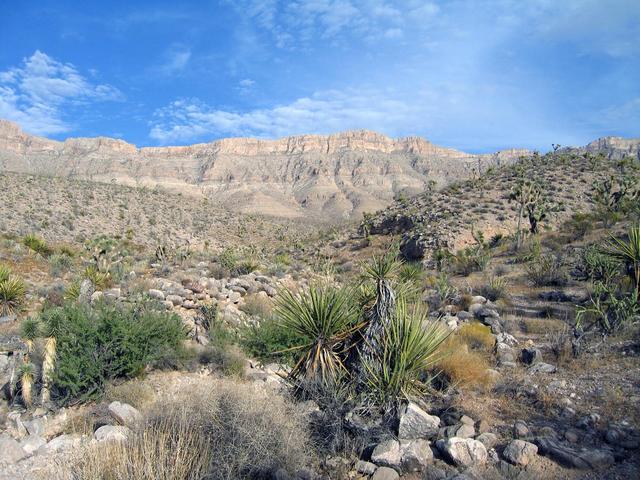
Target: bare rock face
336 176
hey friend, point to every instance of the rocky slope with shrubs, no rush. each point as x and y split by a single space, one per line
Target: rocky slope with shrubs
511 351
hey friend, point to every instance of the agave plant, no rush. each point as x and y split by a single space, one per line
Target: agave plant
27 378
628 253
409 348
12 292
325 317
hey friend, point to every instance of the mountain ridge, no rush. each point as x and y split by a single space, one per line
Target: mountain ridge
335 177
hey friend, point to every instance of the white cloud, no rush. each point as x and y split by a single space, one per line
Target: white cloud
176 59
35 93
322 112
246 83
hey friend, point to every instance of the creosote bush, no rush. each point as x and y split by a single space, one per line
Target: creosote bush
106 342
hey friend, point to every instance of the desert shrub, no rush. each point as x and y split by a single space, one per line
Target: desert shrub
597 265
547 270
101 280
59 263
411 272
470 259
270 342
221 432
609 309
579 225
444 289
476 336
494 289
257 306
12 292
229 359
135 392
106 342
36 244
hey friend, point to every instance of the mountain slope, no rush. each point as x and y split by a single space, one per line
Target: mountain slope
336 176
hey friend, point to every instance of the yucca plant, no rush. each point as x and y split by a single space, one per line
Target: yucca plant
409 349
325 317
27 379
36 244
51 325
29 331
12 291
5 273
628 253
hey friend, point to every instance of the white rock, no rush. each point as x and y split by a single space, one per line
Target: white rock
124 413
115 433
463 452
416 423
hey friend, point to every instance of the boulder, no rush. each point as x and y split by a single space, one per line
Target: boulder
32 443
61 443
519 452
573 457
385 473
531 356
365 468
542 368
416 423
108 433
461 430
124 413
520 429
175 299
157 294
415 455
10 450
387 454
488 439
463 452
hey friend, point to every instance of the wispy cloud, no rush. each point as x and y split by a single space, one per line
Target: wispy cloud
176 60
36 93
322 112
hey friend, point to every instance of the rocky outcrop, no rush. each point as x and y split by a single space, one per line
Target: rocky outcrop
341 175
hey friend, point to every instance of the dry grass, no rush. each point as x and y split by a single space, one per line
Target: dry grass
476 336
543 325
221 432
135 392
257 305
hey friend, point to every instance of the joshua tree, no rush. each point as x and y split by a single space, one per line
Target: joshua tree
531 204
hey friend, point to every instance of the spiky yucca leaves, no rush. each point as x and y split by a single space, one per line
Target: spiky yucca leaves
27 378
29 331
628 253
409 348
325 317
51 326
12 292
5 273
382 270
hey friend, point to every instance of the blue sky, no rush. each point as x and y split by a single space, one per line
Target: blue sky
474 75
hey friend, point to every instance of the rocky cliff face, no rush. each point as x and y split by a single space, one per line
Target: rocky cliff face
335 176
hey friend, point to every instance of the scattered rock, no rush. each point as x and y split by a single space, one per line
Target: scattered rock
416 423
387 454
32 443
157 294
366 468
584 458
385 473
521 429
112 433
488 439
415 455
531 356
463 452
520 452
542 368
10 450
124 413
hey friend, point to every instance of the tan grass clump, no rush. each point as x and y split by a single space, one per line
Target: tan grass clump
221 432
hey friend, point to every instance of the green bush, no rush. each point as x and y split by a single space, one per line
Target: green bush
109 342
59 263
36 244
12 291
547 270
270 342
494 289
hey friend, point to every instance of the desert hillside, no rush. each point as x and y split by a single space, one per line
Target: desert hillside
331 177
